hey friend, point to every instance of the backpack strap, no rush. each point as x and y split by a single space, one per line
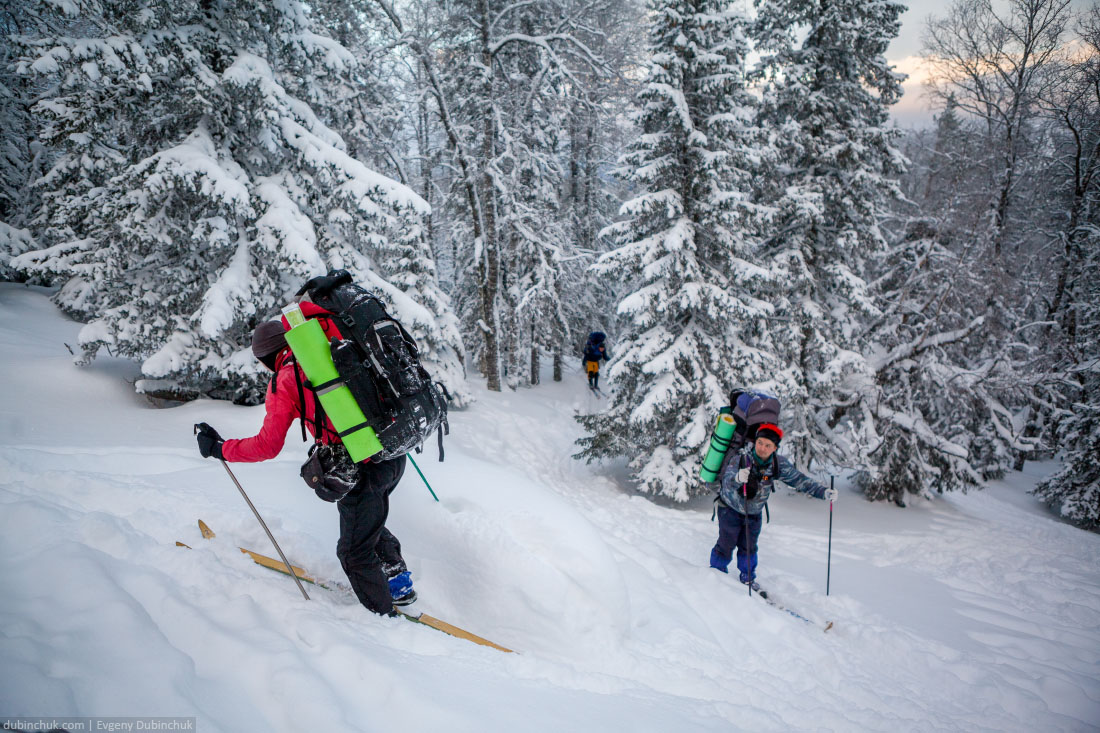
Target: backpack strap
275 370
718 501
318 416
301 400
730 453
444 425
775 477
349 329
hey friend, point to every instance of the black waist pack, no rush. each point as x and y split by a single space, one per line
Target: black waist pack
329 471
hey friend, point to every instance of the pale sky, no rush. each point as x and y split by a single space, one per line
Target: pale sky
912 110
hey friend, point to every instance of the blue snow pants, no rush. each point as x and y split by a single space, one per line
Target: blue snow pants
735 532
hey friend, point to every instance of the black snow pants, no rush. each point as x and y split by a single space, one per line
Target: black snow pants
368 552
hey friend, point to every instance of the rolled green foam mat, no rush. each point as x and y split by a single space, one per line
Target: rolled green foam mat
311 348
719 444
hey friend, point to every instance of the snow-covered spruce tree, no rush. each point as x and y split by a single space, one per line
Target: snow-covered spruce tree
13 242
953 189
995 61
826 99
366 105
15 119
692 325
194 194
1073 103
1075 489
22 155
935 418
537 245
917 409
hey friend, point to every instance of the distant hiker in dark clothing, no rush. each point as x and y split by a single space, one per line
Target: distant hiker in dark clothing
747 479
594 350
368 552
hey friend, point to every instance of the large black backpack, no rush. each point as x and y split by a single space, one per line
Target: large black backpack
378 360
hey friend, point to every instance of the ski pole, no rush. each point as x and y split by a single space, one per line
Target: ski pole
422 477
263 524
748 537
829 562
270 535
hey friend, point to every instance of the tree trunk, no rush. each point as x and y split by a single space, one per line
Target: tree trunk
489 262
478 189
591 183
423 143
534 361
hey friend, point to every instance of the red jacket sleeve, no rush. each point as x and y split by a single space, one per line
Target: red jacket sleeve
282 408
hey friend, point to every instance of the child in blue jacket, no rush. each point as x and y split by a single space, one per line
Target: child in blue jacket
747 480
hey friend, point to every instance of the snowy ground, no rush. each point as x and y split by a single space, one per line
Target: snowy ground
971 613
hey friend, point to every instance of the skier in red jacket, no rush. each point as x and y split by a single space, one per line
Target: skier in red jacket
368 552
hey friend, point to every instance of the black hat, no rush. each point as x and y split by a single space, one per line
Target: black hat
269 338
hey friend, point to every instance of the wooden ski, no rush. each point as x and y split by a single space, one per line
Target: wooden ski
419 618
446 628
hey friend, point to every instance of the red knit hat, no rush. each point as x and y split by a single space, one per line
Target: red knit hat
771 432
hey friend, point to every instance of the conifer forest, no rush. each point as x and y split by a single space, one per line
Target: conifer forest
717 185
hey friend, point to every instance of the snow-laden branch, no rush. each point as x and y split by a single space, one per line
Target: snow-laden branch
508 9
923 431
911 349
544 42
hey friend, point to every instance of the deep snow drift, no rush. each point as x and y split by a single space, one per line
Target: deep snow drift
973 612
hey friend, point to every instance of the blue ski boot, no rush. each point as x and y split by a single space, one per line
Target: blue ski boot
746 564
401 589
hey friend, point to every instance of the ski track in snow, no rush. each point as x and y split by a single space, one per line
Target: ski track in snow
967 613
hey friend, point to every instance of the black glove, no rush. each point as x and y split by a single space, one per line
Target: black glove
210 443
